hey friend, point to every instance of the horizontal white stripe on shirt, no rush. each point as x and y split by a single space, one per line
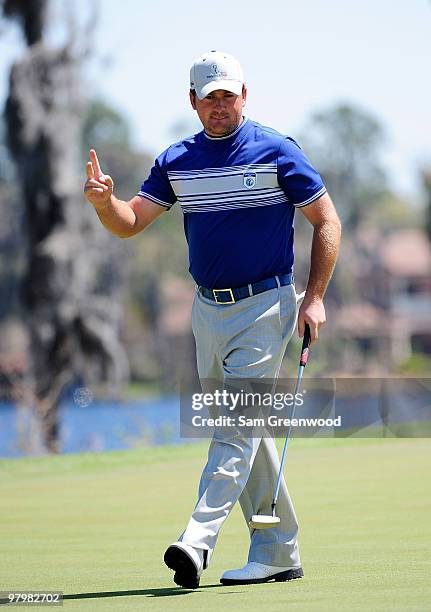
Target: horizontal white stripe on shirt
220 206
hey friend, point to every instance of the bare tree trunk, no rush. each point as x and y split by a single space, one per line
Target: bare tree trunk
73 333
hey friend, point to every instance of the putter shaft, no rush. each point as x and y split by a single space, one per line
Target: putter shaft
302 364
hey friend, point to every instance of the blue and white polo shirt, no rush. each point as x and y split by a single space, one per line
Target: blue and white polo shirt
238 194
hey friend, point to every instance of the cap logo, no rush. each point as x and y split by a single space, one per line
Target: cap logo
249 179
216 72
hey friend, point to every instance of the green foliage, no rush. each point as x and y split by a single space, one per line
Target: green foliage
107 131
418 364
104 126
151 258
345 144
163 251
392 213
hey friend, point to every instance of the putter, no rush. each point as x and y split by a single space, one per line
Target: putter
265 521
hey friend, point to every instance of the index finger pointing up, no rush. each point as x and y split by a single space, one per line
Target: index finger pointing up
96 166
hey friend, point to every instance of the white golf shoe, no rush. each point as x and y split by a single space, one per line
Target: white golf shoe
254 573
187 562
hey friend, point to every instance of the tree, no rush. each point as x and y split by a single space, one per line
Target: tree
426 180
73 318
30 15
11 242
345 143
106 130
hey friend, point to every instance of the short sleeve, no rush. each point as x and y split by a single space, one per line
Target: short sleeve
157 187
301 183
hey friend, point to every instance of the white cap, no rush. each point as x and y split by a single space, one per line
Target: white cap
216 70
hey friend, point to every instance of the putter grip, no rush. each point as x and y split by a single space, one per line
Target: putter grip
305 346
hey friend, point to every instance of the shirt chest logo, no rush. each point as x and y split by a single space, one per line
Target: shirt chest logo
249 179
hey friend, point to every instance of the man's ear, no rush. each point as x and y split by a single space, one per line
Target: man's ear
192 95
244 95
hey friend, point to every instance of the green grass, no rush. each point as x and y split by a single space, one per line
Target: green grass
96 525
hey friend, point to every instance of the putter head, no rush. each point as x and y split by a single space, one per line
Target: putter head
263 521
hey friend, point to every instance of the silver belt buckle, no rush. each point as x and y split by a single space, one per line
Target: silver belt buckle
232 299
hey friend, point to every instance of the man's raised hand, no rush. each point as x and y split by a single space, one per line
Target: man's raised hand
98 186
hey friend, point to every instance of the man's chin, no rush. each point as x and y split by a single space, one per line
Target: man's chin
219 130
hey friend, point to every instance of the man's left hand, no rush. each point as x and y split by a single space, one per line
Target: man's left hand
312 311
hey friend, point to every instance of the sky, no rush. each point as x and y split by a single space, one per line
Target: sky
298 58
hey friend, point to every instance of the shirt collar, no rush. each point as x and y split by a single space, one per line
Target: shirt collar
231 135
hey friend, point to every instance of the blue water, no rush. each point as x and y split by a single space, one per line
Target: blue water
97 427
87 425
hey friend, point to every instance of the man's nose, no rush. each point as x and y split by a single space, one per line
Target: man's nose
220 102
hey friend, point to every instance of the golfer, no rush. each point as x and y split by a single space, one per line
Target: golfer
239 185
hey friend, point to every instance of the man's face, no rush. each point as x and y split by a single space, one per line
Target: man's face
220 112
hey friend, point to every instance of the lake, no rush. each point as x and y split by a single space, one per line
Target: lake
98 426
366 407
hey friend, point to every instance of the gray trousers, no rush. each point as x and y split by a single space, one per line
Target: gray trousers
245 340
